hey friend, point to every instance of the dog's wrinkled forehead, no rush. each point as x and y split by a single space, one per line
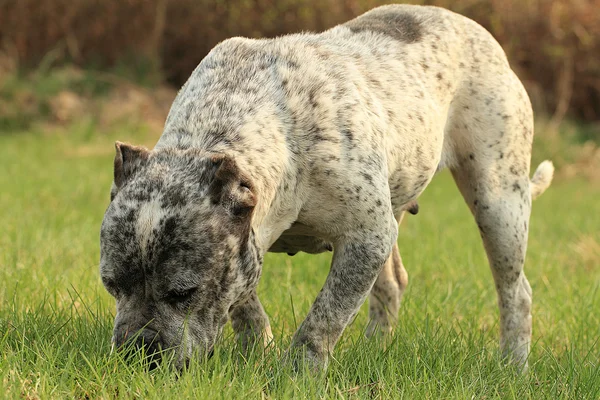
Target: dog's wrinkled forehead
176 179
144 216
158 218
162 189
147 240
171 210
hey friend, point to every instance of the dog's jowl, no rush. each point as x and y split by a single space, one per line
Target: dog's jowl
319 142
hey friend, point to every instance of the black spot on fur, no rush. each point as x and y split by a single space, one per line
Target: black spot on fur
311 98
348 134
292 64
481 230
173 198
367 177
389 21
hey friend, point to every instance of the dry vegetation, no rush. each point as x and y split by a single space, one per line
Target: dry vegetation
554 44
109 62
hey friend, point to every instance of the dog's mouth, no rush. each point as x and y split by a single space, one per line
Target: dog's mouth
150 351
185 364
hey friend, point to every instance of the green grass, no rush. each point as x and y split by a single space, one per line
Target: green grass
56 318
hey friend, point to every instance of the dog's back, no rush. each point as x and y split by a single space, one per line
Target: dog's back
336 133
381 84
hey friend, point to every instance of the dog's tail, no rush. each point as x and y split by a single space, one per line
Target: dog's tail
542 178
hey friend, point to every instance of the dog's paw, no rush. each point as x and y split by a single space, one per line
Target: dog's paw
302 359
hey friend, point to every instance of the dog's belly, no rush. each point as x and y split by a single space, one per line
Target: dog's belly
300 237
292 244
411 172
406 186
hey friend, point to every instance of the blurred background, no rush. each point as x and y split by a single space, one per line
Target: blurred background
114 62
75 75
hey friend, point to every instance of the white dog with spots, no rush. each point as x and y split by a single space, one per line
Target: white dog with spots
313 142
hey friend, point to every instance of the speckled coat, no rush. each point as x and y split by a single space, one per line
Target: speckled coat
313 142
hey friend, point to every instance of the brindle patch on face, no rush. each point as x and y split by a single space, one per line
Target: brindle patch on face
166 233
395 23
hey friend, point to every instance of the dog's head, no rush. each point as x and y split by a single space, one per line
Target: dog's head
177 249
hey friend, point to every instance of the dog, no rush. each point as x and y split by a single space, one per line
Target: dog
318 142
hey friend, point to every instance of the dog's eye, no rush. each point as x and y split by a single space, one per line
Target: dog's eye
179 297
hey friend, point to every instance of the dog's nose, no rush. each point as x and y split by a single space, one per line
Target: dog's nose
147 341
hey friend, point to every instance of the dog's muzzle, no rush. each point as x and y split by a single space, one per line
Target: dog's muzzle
146 341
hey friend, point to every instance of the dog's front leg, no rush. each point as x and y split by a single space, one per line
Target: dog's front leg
251 324
356 264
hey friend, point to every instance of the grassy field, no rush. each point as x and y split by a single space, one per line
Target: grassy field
56 318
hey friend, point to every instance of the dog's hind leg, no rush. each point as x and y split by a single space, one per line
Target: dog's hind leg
386 294
502 215
492 150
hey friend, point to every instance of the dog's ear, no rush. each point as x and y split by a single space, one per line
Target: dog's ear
128 159
231 189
